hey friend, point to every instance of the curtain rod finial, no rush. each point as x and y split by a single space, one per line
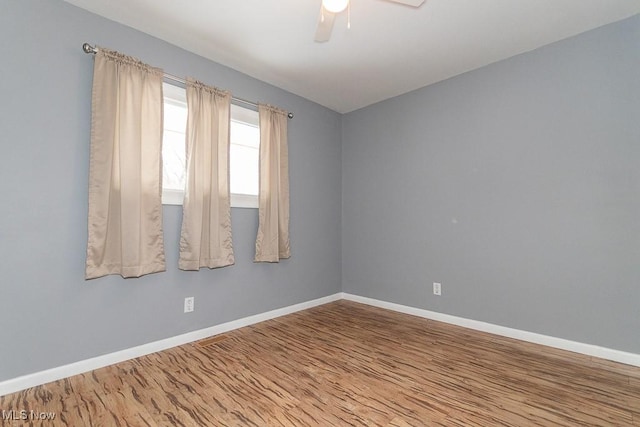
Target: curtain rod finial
290 115
88 48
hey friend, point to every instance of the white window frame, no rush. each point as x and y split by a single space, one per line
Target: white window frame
240 114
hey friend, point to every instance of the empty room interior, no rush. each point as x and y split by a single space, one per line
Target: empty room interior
440 223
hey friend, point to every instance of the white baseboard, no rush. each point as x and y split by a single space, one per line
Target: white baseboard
577 347
54 374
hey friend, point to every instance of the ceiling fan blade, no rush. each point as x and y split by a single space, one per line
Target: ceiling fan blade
325 25
413 3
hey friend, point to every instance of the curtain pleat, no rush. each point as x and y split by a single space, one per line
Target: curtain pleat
205 240
125 208
272 242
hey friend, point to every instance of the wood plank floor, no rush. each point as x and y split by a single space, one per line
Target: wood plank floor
345 364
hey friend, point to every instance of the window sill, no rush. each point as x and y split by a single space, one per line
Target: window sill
176 197
172 197
244 201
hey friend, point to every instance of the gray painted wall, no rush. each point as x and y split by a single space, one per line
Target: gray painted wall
516 185
50 315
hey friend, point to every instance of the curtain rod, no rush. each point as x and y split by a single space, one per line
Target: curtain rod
87 48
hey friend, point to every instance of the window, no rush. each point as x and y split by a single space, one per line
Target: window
173 148
243 152
244 157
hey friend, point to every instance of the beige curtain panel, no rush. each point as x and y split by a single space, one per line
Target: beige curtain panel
205 240
272 243
125 208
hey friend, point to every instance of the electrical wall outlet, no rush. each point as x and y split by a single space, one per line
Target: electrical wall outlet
189 304
437 288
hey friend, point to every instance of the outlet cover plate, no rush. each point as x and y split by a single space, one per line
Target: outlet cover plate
188 304
437 288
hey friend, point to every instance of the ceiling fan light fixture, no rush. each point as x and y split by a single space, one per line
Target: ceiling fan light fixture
335 6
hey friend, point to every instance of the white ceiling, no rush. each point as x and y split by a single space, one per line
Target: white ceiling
390 49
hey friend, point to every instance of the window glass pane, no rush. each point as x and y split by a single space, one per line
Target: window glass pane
173 160
245 134
244 157
175 116
244 169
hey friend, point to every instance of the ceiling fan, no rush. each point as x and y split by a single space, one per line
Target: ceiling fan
330 8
